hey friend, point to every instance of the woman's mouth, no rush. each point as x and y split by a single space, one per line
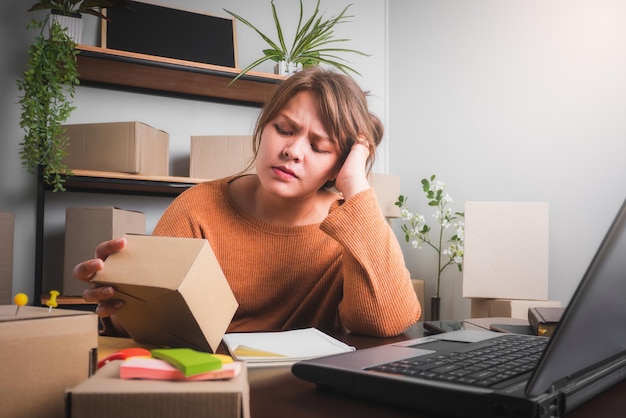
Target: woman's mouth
284 172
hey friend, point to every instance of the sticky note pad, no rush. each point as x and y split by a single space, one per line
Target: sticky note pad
187 360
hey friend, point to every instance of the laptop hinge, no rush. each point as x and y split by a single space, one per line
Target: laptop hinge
593 384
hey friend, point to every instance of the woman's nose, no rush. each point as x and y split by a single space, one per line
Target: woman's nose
295 148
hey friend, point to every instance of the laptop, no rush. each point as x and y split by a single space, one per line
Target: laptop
585 356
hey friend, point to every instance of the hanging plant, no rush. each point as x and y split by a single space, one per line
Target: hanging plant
311 44
48 86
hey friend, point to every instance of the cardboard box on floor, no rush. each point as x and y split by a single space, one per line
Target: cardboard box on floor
85 228
506 308
7 226
42 355
174 290
217 156
126 147
105 395
506 250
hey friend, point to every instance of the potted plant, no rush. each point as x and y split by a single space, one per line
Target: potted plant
310 46
417 232
69 12
48 86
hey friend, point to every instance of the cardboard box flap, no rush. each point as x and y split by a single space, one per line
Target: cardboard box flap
174 290
138 264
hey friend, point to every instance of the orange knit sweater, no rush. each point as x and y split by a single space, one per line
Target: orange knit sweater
348 270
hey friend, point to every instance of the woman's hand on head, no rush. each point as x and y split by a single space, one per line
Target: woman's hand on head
352 178
85 271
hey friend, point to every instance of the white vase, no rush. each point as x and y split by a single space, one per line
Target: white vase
287 68
74 26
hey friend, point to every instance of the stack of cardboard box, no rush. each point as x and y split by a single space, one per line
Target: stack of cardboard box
506 258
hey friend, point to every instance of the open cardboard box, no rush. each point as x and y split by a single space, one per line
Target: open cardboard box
43 353
174 290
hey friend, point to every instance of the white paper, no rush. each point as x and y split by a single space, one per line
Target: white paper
287 347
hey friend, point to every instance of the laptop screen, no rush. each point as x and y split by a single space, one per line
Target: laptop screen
593 326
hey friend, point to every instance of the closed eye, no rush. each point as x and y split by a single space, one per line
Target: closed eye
282 131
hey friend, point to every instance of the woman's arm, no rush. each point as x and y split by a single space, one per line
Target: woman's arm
378 296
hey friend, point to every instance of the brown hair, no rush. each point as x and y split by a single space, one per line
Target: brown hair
342 107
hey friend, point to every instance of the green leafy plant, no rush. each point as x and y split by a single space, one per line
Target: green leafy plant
48 86
77 8
311 44
417 232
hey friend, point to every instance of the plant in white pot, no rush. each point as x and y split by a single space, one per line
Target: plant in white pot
313 43
69 12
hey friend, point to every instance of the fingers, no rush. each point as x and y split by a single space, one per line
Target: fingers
361 140
109 307
107 248
103 295
86 270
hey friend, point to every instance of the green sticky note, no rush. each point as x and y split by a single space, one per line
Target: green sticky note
187 360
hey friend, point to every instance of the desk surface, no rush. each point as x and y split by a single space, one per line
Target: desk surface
276 392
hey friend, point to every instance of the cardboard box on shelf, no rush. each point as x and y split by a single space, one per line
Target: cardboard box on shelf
7 226
105 395
507 308
387 189
85 228
174 290
126 147
42 355
506 250
217 156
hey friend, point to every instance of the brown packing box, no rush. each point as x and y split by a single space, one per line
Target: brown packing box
127 147
387 189
7 225
217 156
42 355
174 290
105 395
506 308
85 228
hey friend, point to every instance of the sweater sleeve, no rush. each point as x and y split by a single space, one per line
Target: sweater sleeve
378 297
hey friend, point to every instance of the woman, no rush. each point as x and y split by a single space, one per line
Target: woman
302 242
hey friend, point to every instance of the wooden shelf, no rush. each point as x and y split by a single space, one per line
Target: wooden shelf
161 75
104 181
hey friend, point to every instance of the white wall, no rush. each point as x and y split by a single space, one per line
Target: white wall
515 100
512 100
180 117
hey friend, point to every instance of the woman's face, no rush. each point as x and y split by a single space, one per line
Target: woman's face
296 155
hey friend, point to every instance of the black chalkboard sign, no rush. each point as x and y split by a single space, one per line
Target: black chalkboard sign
166 32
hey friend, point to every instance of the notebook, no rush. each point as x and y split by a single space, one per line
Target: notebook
585 356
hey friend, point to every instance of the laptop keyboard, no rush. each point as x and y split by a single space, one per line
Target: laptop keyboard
502 359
